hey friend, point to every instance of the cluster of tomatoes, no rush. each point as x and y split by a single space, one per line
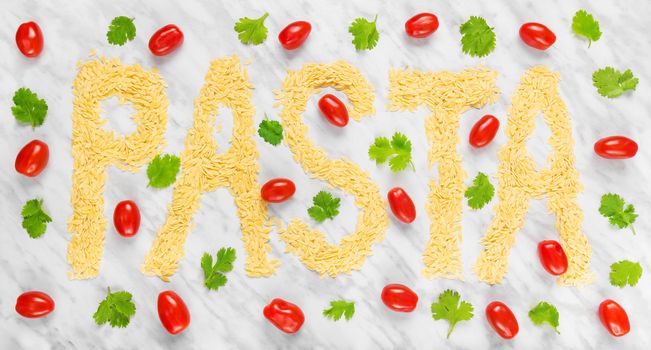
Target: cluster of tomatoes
288 317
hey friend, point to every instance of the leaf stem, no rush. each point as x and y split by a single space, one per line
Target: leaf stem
632 229
452 324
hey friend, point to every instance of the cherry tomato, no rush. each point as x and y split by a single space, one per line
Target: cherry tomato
277 190
400 298
422 25
32 158
334 110
166 40
126 218
34 304
29 39
537 35
614 318
294 35
552 257
173 313
484 131
401 205
502 320
616 147
284 315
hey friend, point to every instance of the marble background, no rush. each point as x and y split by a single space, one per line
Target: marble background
232 317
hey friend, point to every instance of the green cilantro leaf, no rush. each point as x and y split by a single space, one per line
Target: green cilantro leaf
213 275
340 308
583 24
545 312
252 30
365 34
325 206
397 151
271 131
625 272
162 170
28 108
116 309
481 192
121 30
478 38
612 83
612 207
34 218
450 307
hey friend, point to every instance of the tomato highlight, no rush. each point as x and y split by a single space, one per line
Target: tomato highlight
166 40
126 218
294 35
32 158
502 320
422 25
552 257
399 298
333 110
173 312
401 205
29 39
484 131
34 304
286 316
537 35
614 318
616 147
277 190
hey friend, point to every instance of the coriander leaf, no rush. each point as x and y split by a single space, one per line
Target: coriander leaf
613 208
121 30
583 24
271 131
162 170
116 309
35 218
340 308
365 34
612 83
625 272
252 30
28 108
545 312
325 206
478 38
397 151
481 192
213 275
450 307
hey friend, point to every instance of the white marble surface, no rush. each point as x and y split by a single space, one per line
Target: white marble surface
232 317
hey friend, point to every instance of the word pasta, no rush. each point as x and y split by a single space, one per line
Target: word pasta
447 95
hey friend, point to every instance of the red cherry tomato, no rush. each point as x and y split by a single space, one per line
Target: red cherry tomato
277 190
173 313
334 110
34 304
32 158
166 40
126 218
484 131
294 35
284 315
537 35
552 257
502 320
614 318
616 147
401 205
422 25
400 298
29 39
